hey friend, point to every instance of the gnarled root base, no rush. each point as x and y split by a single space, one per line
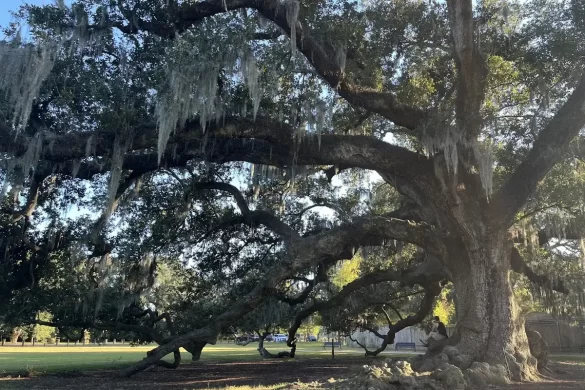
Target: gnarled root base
521 363
538 348
515 365
446 376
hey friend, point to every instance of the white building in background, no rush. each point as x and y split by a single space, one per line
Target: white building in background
411 334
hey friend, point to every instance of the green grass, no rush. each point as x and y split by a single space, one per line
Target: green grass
568 358
52 359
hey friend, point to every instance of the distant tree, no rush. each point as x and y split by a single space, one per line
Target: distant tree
42 333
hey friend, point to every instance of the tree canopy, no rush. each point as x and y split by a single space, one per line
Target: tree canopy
172 167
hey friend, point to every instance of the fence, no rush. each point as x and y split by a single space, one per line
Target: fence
61 342
561 336
408 335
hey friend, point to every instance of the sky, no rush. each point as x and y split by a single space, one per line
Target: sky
12 5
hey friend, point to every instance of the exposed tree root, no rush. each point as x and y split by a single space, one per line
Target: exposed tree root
446 376
515 365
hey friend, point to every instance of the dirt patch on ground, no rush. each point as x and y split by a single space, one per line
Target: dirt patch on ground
197 376
568 376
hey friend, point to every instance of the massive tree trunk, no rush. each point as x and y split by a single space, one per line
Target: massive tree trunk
489 327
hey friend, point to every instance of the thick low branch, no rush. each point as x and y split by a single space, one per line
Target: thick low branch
303 253
263 141
176 361
519 265
427 272
425 308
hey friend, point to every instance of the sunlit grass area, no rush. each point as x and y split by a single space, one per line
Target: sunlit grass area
568 358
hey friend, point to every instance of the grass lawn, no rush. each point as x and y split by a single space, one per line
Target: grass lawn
568 358
50 359
62 358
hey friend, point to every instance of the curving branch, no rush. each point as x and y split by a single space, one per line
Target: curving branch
302 297
358 343
304 253
248 217
427 272
395 311
231 189
176 360
519 265
260 141
321 55
548 149
31 200
425 308
372 330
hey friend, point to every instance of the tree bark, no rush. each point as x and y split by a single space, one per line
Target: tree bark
15 334
195 348
489 326
261 345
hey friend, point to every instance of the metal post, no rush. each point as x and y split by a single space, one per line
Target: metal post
332 348
560 340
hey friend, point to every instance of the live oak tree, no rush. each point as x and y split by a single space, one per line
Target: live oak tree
462 110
